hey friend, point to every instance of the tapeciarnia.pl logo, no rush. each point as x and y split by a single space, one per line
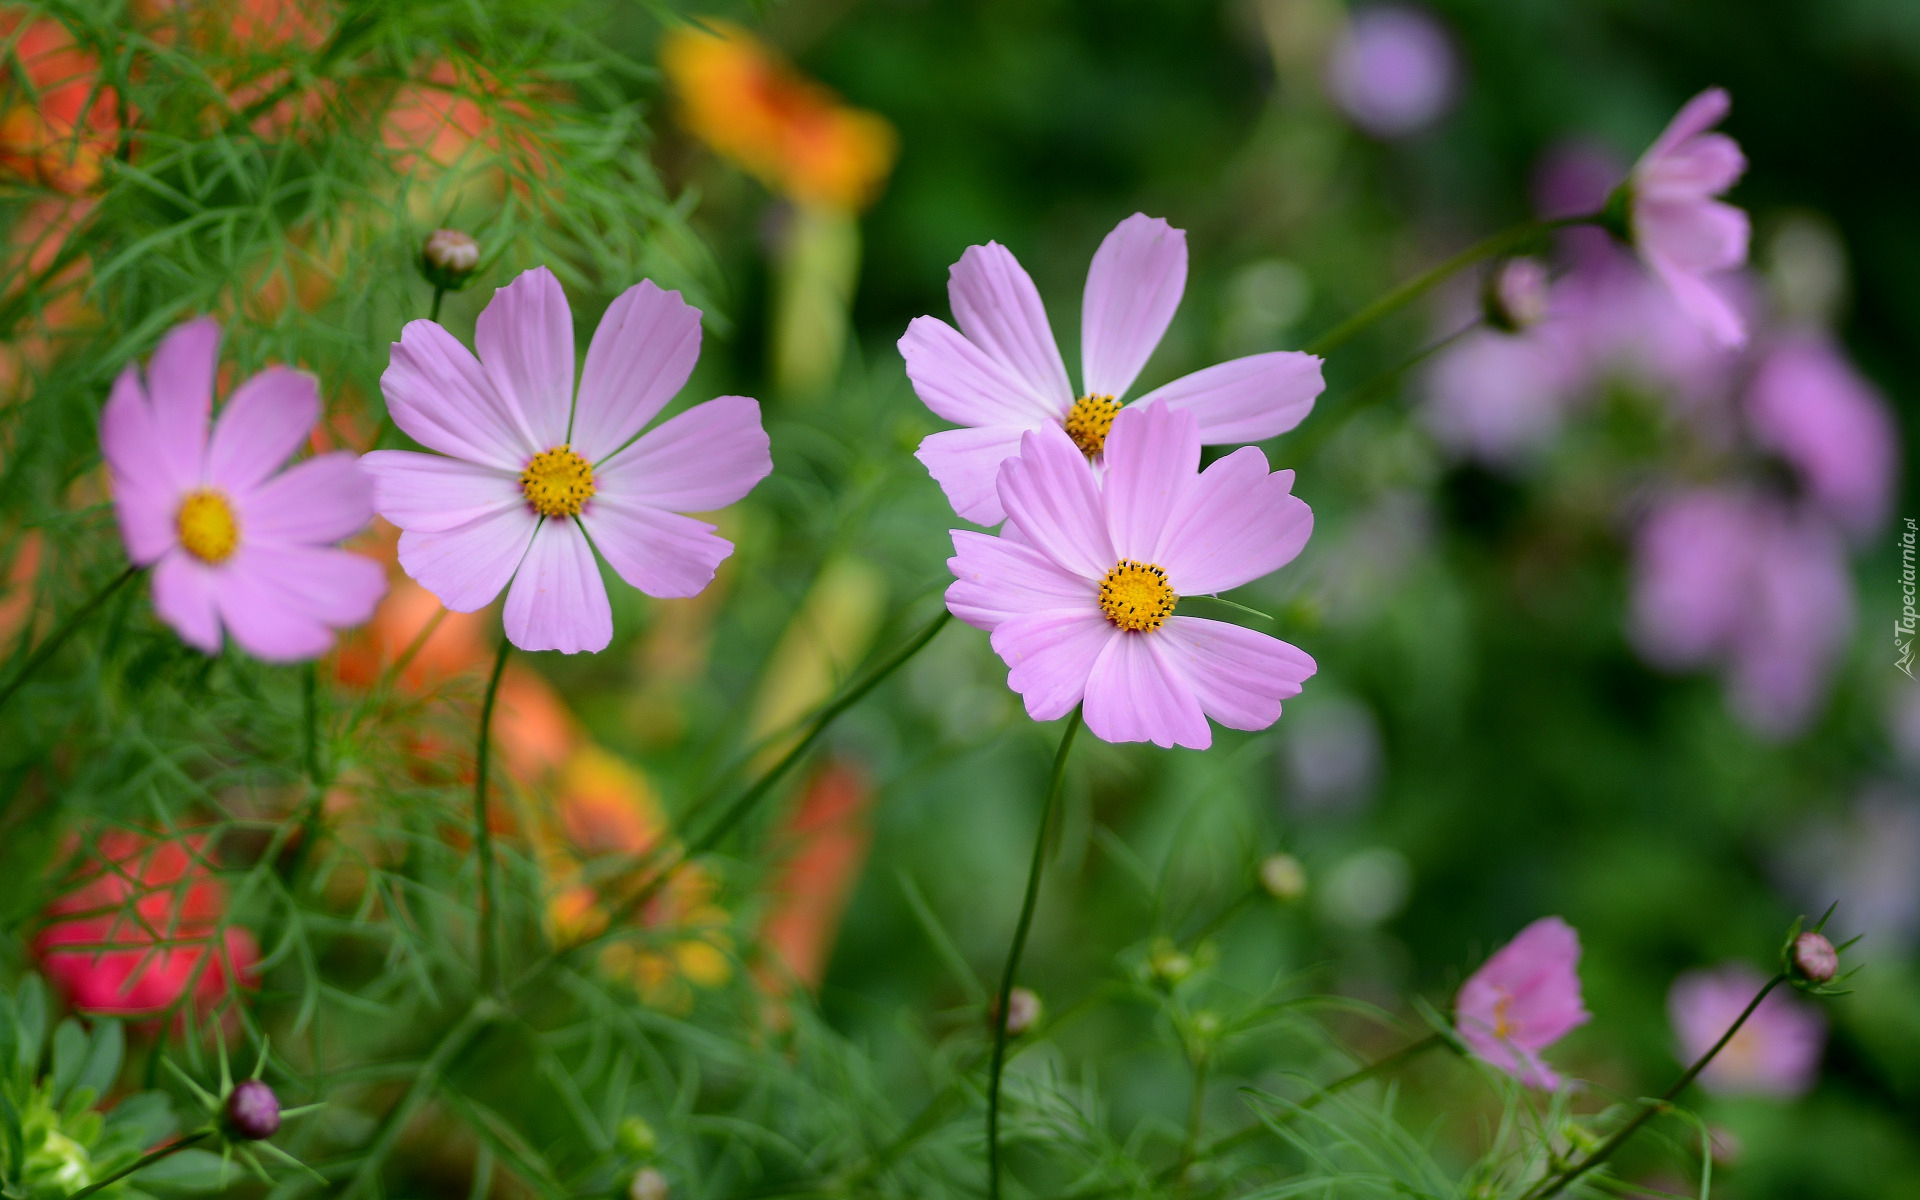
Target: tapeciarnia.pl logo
1903 628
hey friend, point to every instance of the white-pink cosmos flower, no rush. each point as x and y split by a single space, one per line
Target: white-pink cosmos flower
534 479
1682 233
1524 999
233 541
1000 374
1079 591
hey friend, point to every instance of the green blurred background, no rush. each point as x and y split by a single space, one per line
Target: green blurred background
1481 746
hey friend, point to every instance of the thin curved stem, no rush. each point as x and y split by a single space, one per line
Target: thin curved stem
1500 243
736 812
1018 948
1553 1184
59 637
483 830
439 294
146 1160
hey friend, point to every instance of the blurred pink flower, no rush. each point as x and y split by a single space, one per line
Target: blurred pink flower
1079 591
1499 397
1723 576
1808 405
530 472
1615 322
1777 1052
1683 234
1522 1000
1393 70
233 544
1000 374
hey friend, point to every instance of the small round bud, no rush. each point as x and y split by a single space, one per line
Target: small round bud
648 1184
1516 295
637 1137
1728 1149
1168 962
1283 877
1023 1010
1206 1025
1814 958
448 258
253 1111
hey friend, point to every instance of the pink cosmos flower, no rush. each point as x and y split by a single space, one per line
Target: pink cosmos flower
1499 397
529 480
1522 1000
1079 591
1808 405
1721 576
1682 232
232 544
1000 374
1776 1053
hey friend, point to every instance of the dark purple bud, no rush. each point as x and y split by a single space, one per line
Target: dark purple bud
253 1111
1814 958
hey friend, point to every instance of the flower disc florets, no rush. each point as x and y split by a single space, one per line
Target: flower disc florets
1089 420
207 527
557 482
1136 596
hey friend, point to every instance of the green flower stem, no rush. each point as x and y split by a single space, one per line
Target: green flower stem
444 1054
1504 242
483 832
723 825
1000 1012
439 294
146 1160
1553 1184
59 637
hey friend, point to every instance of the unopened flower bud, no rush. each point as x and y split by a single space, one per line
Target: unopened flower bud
1283 877
637 1137
1023 1011
448 258
1516 295
648 1184
253 1111
1168 962
1206 1025
1727 1147
1814 958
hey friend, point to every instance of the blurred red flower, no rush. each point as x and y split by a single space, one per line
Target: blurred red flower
141 930
58 120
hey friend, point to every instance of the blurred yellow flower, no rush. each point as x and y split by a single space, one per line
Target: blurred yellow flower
736 95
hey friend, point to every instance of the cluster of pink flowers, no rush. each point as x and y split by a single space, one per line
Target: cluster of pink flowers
1109 519
1734 572
528 482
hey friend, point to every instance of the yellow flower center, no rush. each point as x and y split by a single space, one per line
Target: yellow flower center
207 526
557 482
1088 421
1502 1024
1135 596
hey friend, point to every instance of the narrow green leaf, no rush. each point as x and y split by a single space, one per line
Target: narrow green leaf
30 1012
104 1057
69 1055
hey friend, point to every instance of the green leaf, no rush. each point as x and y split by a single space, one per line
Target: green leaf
69 1055
187 1171
30 1014
16 1137
104 1057
9 1034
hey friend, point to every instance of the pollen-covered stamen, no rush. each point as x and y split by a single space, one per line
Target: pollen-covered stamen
1136 596
557 482
207 527
1089 420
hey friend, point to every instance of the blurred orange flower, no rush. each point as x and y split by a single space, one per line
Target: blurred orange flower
825 842
59 121
791 133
